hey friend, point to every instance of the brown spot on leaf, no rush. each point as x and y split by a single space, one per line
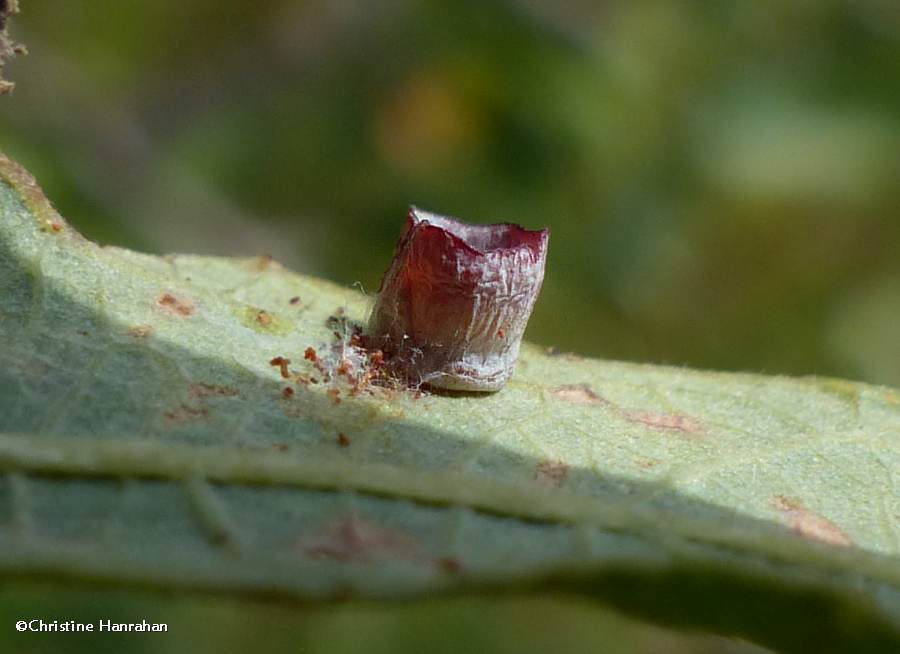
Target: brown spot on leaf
809 524
663 421
287 393
186 413
140 331
342 440
552 473
201 391
174 305
282 363
354 539
280 447
264 318
578 394
310 354
335 395
295 300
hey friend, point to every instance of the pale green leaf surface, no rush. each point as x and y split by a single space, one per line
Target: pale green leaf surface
145 439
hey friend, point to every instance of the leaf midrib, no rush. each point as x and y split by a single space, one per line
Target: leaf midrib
144 458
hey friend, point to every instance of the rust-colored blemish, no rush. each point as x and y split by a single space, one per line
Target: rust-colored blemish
553 472
264 318
808 524
354 539
335 395
287 392
139 331
342 440
174 305
677 422
501 334
202 391
282 363
578 394
56 227
186 413
310 354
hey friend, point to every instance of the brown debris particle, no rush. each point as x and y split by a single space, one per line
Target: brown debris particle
287 392
578 394
8 49
140 331
552 473
283 364
295 300
342 440
186 413
175 305
808 524
264 318
664 421
354 539
201 391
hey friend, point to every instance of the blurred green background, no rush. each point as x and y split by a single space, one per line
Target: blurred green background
722 179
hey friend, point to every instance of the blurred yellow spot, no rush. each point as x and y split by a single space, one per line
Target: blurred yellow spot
425 125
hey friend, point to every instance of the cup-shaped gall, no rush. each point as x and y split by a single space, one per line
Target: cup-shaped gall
454 303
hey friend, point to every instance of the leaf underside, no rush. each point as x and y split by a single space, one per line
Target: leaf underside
147 438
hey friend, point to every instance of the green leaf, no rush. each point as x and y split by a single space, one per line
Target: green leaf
146 437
